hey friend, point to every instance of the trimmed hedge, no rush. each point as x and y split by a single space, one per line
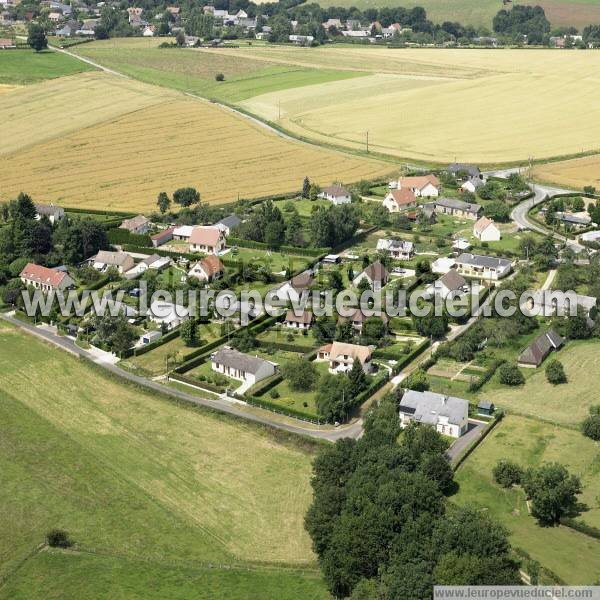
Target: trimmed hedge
471 448
96 211
476 385
289 347
377 384
581 527
196 383
410 357
123 236
267 384
289 412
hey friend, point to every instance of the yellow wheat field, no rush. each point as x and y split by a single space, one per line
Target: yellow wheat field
123 163
442 105
576 173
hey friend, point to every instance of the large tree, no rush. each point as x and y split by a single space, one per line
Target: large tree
36 37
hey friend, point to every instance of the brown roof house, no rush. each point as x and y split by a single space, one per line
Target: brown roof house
302 321
45 279
358 318
139 225
105 259
533 356
376 274
486 230
162 237
340 357
293 289
207 269
425 186
451 284
210 240
399 200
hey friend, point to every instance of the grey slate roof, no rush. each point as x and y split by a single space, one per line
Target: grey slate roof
453 281
229 357
426 407
540 347
455 204
472 170
480 260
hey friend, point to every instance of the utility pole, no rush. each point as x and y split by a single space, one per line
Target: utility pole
279 110
367 142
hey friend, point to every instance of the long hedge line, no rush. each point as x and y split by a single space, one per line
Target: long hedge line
410 357
124 236
277 408
473 446
477 384
97 211
266 384
196 383
285 347
375 386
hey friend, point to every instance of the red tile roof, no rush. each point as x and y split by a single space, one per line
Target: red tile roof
43 275
212 265
403 196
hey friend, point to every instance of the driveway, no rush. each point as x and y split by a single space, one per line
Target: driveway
474 432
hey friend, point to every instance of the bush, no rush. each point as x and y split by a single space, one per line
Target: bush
274 394
507 473
591 425
555 372
509 374
417 381
58 538
220 77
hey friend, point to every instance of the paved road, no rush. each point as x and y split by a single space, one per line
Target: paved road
353 430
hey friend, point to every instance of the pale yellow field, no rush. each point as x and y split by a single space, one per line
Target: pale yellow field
576 173
36 113
173 141
441 105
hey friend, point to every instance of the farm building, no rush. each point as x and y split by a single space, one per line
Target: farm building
533 356
54 213
105 259
456 208
162 237
45 279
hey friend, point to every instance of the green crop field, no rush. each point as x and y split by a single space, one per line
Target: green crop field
21 67
150 489
530 442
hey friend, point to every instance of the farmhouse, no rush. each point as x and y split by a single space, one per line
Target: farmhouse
425 186
337 194
229 223
451 284
301 321
45 279
471 185
54 213
485 230
162 237
171 315
399 200
398 249
376 274
207 269
244 367
138 225
464 170
358 318
183 232
456 208
449 415
341 357
540 347
207 239
105 259
483 267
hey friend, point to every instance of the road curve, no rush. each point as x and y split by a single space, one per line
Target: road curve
353 430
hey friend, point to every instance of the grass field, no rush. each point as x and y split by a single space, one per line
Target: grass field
567 403
422 104
165 141
23 67
194 70
575 173
573 556
138 478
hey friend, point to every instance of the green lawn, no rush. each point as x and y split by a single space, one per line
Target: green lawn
275 262
205 372
281 334
302 205
21 67
136 477
573 556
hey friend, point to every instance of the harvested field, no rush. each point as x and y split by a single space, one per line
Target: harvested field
576 173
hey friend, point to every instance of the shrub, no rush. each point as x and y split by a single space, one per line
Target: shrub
274 394
555 372
417 381
507 473
220 77
58 538
509 374
591 425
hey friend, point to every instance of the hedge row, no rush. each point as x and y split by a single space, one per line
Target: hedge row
410 357
477 384
372 389
296 250
284 347
581 527
167 337
288 412
123 236
355 239
96 211
267 384
471 448
196 383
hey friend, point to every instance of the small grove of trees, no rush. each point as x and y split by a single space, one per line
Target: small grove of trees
114 331
417 381
163 202
591 424
188 331
555 372
507 473
300 374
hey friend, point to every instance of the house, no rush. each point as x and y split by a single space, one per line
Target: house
575 221
337 194
105 259
168 314
331 259
485 408
148 31
154 262
398 249
293 289
554 302
229 223
301 321
301 40
183 232
244 367
447 414
207 269
358 318
45 279
54 213
483 267
357 33
340 356
227 305
540 347
162 237
55 17
207 239
333 23
464 171
135 15
457 208
376 274
471 185
486 230
423 186
461 244
590 236
138 225
398 200
451 284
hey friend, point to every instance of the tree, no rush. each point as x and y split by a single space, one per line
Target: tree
577 328
188 332
300 374
509 374
58 538
498 211
294 233
373 331
552 491
334 398
306 188
431 325
357 378
591 425
114 331
555 372
335 281
507 473
36 37
324 329
180 39
417 381
163 202
186 196
219 77
243 340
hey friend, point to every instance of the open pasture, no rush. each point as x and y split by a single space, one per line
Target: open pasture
172 142
426 104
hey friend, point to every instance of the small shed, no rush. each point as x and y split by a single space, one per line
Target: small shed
485 408
150 336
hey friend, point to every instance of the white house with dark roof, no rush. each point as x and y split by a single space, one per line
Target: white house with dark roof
54 213
244 367
451 284
336 193
106 259
398 249
456 208
483 267
447 414
471 171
